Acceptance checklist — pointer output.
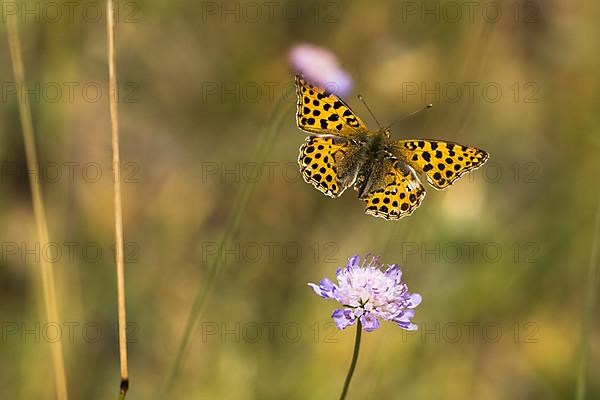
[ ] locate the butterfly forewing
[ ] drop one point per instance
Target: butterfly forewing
(442, 162)
(323, 113)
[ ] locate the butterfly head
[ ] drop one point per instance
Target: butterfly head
(384, 133)
(387, 131)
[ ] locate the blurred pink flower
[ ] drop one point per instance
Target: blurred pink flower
(320, 66)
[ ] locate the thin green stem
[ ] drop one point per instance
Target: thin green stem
(592, 284)
(354, 360)
(265, 142)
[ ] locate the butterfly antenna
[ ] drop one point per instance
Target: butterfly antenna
(411, 114)
(368, 109)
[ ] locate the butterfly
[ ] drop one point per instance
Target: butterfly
(341, 152)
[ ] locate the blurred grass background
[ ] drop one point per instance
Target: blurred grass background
(175, 212)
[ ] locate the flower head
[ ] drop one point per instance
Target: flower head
(320, 66)
(368, 292)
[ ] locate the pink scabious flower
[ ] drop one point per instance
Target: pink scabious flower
(368, 292)
(320, 66)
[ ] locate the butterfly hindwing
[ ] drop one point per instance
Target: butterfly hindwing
(320, 159)
(323, 113)
(442, 162)
(399, 195)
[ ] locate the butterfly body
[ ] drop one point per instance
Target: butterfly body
(374, 151)
(342, 152)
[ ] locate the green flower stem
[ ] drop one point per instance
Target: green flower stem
(588, 314)
(354, 360)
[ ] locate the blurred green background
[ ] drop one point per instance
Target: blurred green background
(501, 259)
